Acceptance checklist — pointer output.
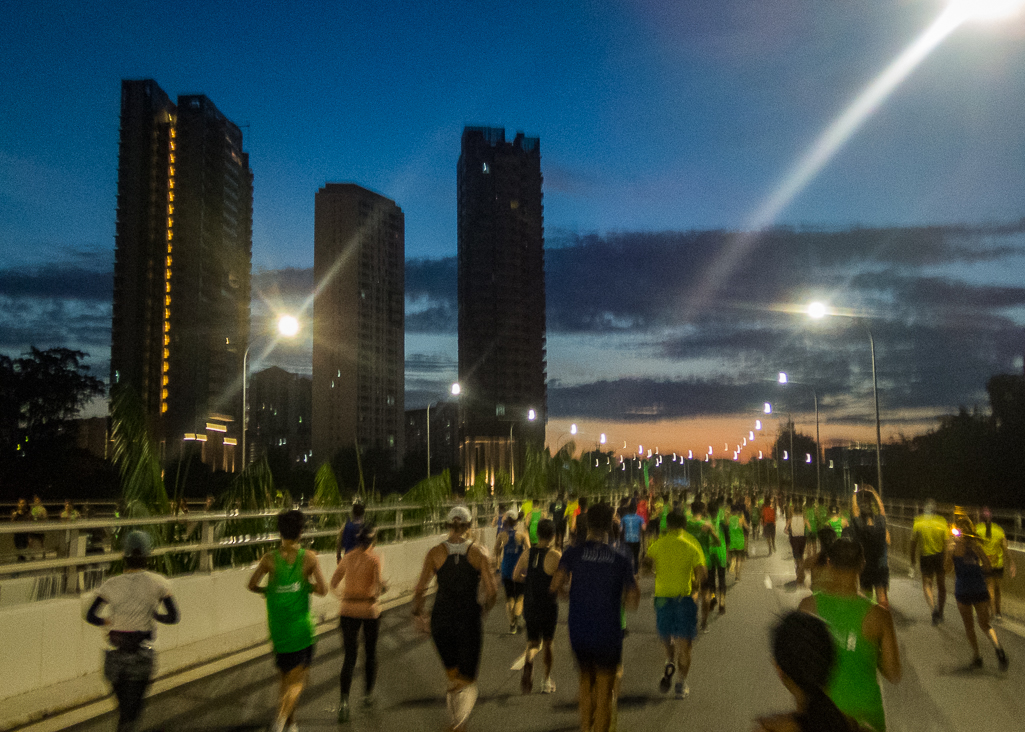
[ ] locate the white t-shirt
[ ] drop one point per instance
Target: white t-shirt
(797, 526)
(133, 597)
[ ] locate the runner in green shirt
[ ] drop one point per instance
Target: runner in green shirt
(702, 530)
(292, 574)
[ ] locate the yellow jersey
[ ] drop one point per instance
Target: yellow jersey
(992, 545)
(930, 531)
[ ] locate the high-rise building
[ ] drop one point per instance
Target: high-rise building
(280, 415)
(183, 252)
(358, 323)
(502, 366)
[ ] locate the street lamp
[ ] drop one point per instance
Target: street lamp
(817, 311)
(288, 327)
(783, 379)
(454, 390)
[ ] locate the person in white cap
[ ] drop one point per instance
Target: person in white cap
(135, 598)
(456, 623)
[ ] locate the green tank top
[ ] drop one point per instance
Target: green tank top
(836, 524)
(663, 524)
(717, 549)
(853, 686)
(736, 534)
(812, 520)
(288, 605)
(535, 519)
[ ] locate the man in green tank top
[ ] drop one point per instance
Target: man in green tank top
(863, 631)
(292, 574)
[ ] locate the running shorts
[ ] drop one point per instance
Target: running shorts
(995, 573)
(541, 623)
(605, 659)
(459, 645)
(715, 572)
(288, 661)
(676, 617)
(513, 590)
(769, 529)
(879, 577)
(931, 563)
(972, 598)
(797, 544)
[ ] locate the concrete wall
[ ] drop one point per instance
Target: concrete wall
(52, 658)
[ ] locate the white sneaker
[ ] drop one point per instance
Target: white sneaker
(549, 687)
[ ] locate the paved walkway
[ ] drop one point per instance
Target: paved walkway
(731, 682)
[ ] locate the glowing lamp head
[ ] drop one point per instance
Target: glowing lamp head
(602, 440)
(288, 326)
(572, 429)
(782, 377)
(531, 415)
(767, 408)
(456, 389)
(817, 310)
(955, 531)
(986, 9)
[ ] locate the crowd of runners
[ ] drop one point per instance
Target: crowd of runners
(829, 655)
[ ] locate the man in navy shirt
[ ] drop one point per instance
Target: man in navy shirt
(601, 581)
(348, 536)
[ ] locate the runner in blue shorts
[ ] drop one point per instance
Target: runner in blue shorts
(678, 563)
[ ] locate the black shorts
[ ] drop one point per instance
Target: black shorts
(879, 577)
(995, 573)
(513, 590)
(714, 572)
(972, 598)
(769, 529)
(931, 564)
(605, 659)
(541, 623)
(294, 659)
(459, 645)
(797, 544)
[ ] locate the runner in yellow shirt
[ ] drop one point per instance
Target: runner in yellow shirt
(994, 544)
(929, 538)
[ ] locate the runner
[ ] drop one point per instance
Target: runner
(738, 532)
(717, 556)
(534, 516)
(678, 563)
(970, 565)
(559, 517)
(797, 530)
(769, 525)
(835, 521)
(578, 523)
(994, 543)
(510, 543)
(292, 574)
(701, 529)
(360, 608)
(347, 536)
(633, 530)
(805, 658)
(535, 570)
(869, 524)
(135, 598)
(601, 582)
(811, 527)
(864, 636)
(929, 539)
(456, 623)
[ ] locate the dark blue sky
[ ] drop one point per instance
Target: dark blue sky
(654, 117)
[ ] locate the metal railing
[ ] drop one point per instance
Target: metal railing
(67, 557)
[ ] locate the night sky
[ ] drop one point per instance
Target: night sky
(665, 128)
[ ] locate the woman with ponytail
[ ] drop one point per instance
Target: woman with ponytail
(804, 655)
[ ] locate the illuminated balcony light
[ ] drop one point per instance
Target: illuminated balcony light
(170, 195)
(167, 328)
(170, 235)
(169, 261)
(172, 133)
(214, 427)
(170, 209)
(167, 354)
(163, 407)
(164, 368)
(163, 379)
(168, 286)
(172, 157)
(230, 441)
(170, 170)
(167, 338)
(167, 274)
(163, 393)
(167, 300)
(200, 438)
(170, 184)
(167, 313)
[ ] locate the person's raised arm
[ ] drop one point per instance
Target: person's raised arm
(262, 569)
(313, 574)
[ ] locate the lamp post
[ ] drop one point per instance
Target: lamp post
(818, 311)
(454, 391)
(287, 326)
(783, 379)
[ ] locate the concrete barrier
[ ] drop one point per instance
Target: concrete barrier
(52, 658)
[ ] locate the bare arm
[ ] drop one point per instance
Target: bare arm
(520, 572)
(478, 558)
(560, 582)
(700, 575)
(430, 568)
(338, 576)
(855, 509)
(313, 574)
(262, 569)
(880, 623)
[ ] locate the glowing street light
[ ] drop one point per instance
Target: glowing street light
(767, 408)
(572, 429)
(984, 10)
(456, 389)
(288, 326)
(602, 439)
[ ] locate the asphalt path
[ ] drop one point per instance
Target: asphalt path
(732, 680)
